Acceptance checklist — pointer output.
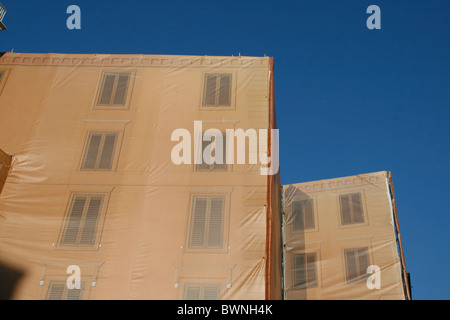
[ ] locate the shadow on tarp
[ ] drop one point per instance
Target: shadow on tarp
(9, 278)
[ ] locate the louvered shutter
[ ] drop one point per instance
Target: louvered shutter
(345, 209)
(210, 90)
(225, 90)
(121, 89)
(107, 89)
(363, 261)
(298, 215)
(352, 269)
(192, 292)
(74, 221)
(107, 151)
(215, 231)
(311, 271)
(92, 151)
(210, 292)
(55, 290)
(90, 221)
(357, 208)
(299, 270)
(198, 223)
(303, 214)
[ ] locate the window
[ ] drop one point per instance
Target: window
(351, 208)
(305, 270)
(80, 227)
(207, 222)
(303, 214)
(114, 89)
(357, 262)
(217, 90)
(202, 291)
(99, 151)
(58, 290)
(207, 145)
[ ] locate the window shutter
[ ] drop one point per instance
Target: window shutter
(357, 207)
(56, 290)
(211, 292)
(311, 273)
(99, 152)
(225, 90)
(363, 261)
(90, 221)
(2, 72)
(357, 262)
(303, 214)
(92, 151)
(107, 151)
(74, 294)
(121, 89)
(74, 220)
(345, 209)
(198, 223)
(210, 90)
(107, 89)
(299, 270)
(215, 232)
(192, 292)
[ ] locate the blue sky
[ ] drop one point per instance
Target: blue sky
(349, 100)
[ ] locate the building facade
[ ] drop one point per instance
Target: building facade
(93, 189)
(342, 240)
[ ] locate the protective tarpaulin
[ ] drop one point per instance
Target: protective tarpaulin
(94, 206)
(342, 240)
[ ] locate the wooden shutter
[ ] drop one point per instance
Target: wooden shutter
(207, 222)
(214, 166)
(303, 214)
(198, 222)
(211, 292)
(215, 231)
(217, 90)
(57, 290)
(210, 90)
(357, 262)
(114, 89)
(80, 228)
(202, 291)
(305, 270)
(73, 222)
(351, 208)
(99, 152)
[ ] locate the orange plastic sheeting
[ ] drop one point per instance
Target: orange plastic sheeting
(94, 194)
(340, 240)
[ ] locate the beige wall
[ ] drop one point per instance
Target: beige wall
(48, 106)
(329, 238)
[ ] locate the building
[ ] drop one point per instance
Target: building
(92, 183)
(2, 15)
(99, 186)
(336, 229)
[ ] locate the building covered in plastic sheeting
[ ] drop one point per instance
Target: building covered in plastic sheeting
(94, 197)
(342, 240)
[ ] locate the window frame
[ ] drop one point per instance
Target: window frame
(66, 290)
(352, 222)
(100, 150)
(201, 287)
(105, 193)
(307, 283)
(101, 86)
(232, 87)
(313, 215)
(361, 274)
(214, 167)
(188, 248)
